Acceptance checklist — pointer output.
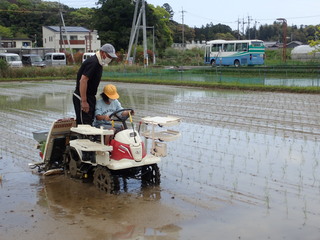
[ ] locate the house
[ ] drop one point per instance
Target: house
(294, 44)
(276, 45)
(15, 43)
(189, 45)
(81, 39)
(272, 45)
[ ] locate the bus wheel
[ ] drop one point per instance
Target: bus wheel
(213, 63)
(237, 63)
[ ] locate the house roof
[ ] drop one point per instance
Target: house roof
(296, 42)
(270, 44)
(68, 29)
(15, 39)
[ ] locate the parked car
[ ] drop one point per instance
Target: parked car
(12, 59)
(87, 55)
(33, 60)
(55, 59)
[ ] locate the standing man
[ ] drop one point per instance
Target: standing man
(88, 79)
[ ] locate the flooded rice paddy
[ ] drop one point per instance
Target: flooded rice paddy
(261, 78)
(245, 167)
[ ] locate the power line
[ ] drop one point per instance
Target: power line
(257, 19)
(209, 19)
(301, 17)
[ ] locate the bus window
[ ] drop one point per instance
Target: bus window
(238, 47)
(257, 44)
(245, 47)
(216, 48)
(225, 47)
(229, 47)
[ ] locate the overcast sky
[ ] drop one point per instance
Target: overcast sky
(200, 12)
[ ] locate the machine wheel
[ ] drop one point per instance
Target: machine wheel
(150, 175)
(237, 63)
(104, 180)
(213, 63)
(71, 162)
(73, 168)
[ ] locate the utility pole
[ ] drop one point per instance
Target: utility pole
(243, 23)
(284, 38)
(65, 31)
(255, 29)
(144, 33)
(238, 22)
(61, 38)
(136, 23)
(35, 41)
(134, 33)
(90, 41)
(153, 47)
(249, 20)
(183, 27)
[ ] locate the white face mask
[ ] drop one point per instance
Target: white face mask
(106, 61)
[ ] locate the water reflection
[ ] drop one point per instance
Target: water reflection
(292, 82)
(297, 82)
(124, 216)
(261, 79)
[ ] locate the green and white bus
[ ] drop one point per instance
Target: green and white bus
(234, 52)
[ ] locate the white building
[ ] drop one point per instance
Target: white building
(305, 53)
(15, 43)
(189, 45)
(80, 38)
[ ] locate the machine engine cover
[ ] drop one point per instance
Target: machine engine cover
(128, 144)
(128, 136)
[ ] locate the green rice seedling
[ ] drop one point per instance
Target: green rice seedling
(267, 194)
(305, 208)
(235, 184)
(267, 199)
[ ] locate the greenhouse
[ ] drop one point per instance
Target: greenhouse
(305, 53)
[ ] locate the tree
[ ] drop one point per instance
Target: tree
(5, 32)
(161, 23)
(189, 33)
(316, 41)
(25, 18)
(169, 9)
(113, 21)
(209, 32)
(225, 36)
(82, 17)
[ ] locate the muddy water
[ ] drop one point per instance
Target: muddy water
(246, 167)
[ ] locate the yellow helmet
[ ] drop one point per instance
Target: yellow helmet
(111, 91)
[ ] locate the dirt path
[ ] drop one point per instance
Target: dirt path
(246, 167)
